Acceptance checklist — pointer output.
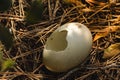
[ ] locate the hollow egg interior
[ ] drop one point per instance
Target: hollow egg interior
(57, 41)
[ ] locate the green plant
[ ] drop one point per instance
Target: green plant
(34, 13)
(5, 5)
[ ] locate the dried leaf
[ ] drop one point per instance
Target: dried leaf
(105, 32)
(76, 2)
(113, 29)
(100, 35)
(95, 2)
(87, 10)
(70, 1)
(112, 50)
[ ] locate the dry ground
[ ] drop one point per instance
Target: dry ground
(30, 39)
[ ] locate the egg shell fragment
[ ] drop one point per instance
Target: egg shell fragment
(67, 47)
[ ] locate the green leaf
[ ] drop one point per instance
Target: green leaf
(1, 56)
(7, 64)
(1, 52)
(6, 37)
(34, 14)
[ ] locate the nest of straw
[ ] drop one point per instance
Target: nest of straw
(30, 39)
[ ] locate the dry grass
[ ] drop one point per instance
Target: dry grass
(30, 39)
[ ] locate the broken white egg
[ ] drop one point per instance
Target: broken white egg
(67, 47)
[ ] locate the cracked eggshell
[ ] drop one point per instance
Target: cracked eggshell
(67, 47)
